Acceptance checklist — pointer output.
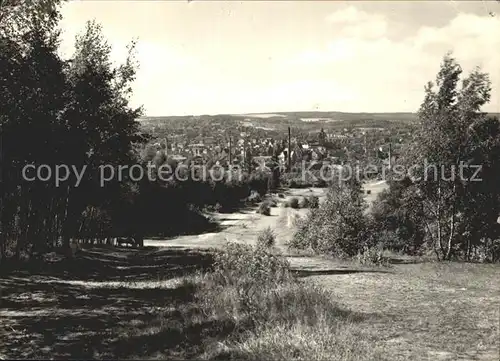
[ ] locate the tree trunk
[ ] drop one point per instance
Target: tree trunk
(450, 238)
(439, 231)
(23, 235)
(469, 249)
(3, 252)
(452, 225)
(65, 225)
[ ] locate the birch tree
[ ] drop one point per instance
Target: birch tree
(457, 150)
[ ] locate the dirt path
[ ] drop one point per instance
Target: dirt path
(245, 226)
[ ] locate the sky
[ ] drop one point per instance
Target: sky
(234, 57)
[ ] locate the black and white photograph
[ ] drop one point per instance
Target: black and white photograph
(250, 180)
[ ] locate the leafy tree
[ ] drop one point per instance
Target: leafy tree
(454, 140)
(99, 121)
(397, 216)
(63, 111)
(33, 95)
(18, 17)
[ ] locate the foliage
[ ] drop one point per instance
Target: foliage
(254, 197)
(455, 214)
(264, 208)
(304, 202)
(294, 203)
(75, 113)
(240, 263)
(313, 202)
(398, 219)
(373, 256)
(266, 239)
(339, 226)
(261, 182)
(248, 269)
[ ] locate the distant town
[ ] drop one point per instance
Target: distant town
(243, 140)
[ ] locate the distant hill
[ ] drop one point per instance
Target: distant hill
(306, 120)
(295, 116)
(342, 116)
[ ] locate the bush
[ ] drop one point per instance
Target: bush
(266, 239)
(271, 314)
(254, 197)
(281, 195)
(373, 256)
(259, 182)
(241, 263)
(313, 202)
(264, 209)
(294, 203)
(272, 202)
(339, 226)
(368, 191)
(304, 202)
(241, 272)
(321, 183)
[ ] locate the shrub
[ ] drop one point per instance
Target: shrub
(241, 263)
(240, 273)
(313, 202)
(254, 197)
(264, 209)
(304, 202)
(398, 221)
(339, 226)
(320, 183)
(281, 195)
(373, 256)
(272, 202)
(271, 314)
(368, 191)
(266, 239)
(294, 203)
(259, 182)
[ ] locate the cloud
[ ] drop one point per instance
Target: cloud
(390, 74)
(357, 23)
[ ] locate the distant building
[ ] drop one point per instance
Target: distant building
(197, 149)
(322, 137)
(178, 158)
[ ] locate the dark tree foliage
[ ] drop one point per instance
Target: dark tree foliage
(55, 112)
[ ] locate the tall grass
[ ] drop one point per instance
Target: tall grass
(274, 315)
